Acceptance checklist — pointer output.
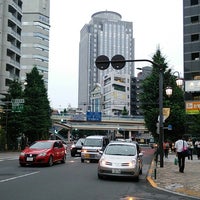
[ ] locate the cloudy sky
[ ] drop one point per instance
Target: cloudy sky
(155, 23)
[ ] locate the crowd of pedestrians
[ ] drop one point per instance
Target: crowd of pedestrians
(182, 143)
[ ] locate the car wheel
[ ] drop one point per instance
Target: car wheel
(64, 159)
(22, 164)
(100, 176)
(136, 179)
(50, 163)
(82, 160)
(72, 154)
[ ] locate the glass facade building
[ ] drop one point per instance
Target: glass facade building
(106, 34)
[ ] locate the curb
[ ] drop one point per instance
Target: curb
(149, 178)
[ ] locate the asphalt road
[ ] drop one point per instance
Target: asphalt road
(73, 181)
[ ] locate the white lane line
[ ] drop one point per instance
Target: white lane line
(16, 177)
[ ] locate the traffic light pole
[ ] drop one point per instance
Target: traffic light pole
(118, 62)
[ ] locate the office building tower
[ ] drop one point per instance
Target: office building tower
(191, 20)
(136, 90)
(106, 34)
(10, 42)
(35, 38)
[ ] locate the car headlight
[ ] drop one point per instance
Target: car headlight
(84, 151)
(22, 154)
(42, 154)
(102, 161)
(132, 163)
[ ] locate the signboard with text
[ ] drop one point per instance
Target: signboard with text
(17, 105)
(93, 116)
(192, 107)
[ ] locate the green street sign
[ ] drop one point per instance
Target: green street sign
(17, 105)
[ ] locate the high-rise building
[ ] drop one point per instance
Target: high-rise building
(136, 90)
(191, 22)
(35, 37)
(106, 34)
(10, 42)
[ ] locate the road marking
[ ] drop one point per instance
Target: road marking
(16, 177)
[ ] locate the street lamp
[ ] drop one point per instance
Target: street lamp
(118, 62)
(179, 80)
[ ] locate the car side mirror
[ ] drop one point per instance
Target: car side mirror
(100, 152)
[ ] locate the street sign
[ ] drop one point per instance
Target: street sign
(169, 127)
(102, 62)
(118, 62)
(93, 116)
(17, 105)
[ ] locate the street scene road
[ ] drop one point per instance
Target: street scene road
(73, 180)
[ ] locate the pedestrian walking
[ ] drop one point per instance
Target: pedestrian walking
(179, 146)
(197, 145)
(166, 149)
(190, 148)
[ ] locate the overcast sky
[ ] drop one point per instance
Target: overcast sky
(155, 23)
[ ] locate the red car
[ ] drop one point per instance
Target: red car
(43, 152)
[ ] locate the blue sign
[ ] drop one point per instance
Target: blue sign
(93, 116)
(169, 127)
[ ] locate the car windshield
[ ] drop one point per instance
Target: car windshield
(79, 142)
(93, 142)
(119, 149)
(41, 145)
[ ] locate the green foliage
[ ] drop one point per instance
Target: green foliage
(150, 100)
(37, 111)
(11, 121)
(124, 111)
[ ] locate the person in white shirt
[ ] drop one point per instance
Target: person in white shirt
(179, 145)
(190, 147)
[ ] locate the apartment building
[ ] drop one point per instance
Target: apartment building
(10, 42)
(191, 23)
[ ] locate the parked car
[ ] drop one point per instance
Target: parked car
(43, 152)
(120, 159)
(76, 147)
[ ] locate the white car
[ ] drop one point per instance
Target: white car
(121, 159)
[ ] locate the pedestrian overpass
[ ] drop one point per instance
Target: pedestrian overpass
(110, 123)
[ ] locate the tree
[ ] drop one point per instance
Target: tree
(124, 111)
(150, 100)
(37, 111)
(12, 121)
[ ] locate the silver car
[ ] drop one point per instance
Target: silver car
(120, 159)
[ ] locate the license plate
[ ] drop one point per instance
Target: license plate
(87, 155)
(29, 159)
(116, 171)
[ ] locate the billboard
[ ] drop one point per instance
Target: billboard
(192, 86)
(192, 107)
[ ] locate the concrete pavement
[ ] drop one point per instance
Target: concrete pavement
(169, 178)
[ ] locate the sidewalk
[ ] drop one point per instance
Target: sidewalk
(170, 179)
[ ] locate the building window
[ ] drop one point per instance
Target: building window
(194, 37)
(194, 19)
(195, 56)
(194, 2)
